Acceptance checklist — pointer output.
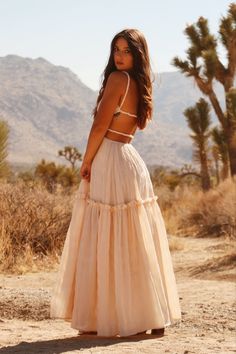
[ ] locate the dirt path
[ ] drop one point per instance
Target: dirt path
(207, 300)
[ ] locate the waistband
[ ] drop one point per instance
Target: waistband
(116, 142)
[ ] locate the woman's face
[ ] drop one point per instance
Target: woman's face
(123, 57)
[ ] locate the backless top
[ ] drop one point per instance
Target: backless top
(119, 110)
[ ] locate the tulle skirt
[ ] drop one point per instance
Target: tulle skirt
(115, 275)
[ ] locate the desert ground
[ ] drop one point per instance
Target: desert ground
(207, 292)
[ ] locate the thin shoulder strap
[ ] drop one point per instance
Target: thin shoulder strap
(127, 87)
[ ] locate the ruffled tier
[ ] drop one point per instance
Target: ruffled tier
(114, 208)
(116, 275)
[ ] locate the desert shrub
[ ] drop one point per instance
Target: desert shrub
(31, 220)
(214, 213)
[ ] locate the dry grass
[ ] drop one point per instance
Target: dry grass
(220, 266)
(227, 261)
(190, 212)
(34, 222)
(33, 225)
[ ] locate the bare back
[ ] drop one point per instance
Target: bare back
(124, 121)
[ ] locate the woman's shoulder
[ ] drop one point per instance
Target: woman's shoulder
(117, 78)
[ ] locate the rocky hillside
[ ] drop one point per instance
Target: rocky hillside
(48, 107)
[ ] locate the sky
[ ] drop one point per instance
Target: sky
(77, 33)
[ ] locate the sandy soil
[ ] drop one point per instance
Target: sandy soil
(207, 296)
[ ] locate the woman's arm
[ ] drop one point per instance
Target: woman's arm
(112, 92)
(102, 120)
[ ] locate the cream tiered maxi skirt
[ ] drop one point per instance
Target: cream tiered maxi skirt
(115, 275)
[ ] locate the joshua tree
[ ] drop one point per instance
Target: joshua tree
(220, 147)
(71, 154)
(198, 120)
(216, 158)
(204, 65)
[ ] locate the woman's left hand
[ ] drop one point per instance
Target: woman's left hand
(85, 170)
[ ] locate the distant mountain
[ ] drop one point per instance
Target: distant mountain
(48, 107)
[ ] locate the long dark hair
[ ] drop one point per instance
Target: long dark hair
(141, 72)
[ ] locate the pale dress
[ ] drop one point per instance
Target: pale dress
(115, 275)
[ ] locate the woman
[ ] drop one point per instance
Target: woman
(116, 275)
